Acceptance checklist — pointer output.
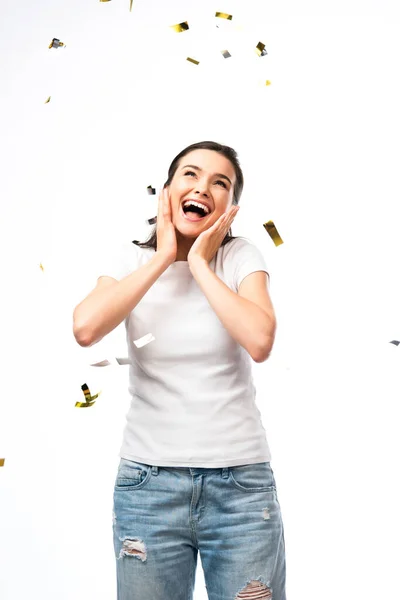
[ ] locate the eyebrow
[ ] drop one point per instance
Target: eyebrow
(216, 174)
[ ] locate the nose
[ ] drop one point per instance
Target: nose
(201, 189)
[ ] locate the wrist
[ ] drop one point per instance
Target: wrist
(196, 261)
(162, 259)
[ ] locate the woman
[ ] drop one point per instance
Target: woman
(195, 471)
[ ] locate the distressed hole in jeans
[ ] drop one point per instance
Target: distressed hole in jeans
(255, 590)
(133, 548)
(266, 514)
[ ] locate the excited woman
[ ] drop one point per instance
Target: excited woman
(194, 472)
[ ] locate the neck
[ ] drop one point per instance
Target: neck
(184, 244)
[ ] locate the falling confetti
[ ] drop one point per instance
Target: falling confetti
(41, 266)
(88, 397)
(48, 100)
(273, 233)
(150, 190)
(104, 0)
(223, 16)
(267, 82)
(55, 43)
(130, 7)
(107, 363)
(260, 49)
(181, 27)
(123, 361)
(84, 404)
(102, 363)
(2, 462)
(395, 342)
(146, 339)
(192, 60)
(226, 54)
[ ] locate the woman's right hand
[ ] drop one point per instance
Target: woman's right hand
(166, 236)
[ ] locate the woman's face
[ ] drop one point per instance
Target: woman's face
(207, 177)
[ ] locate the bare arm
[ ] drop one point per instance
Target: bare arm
(111, 301)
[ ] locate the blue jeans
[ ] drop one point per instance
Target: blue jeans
(164, 515)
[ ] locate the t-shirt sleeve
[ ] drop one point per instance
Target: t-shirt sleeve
(116, 262)
(245, 258)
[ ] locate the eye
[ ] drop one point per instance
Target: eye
(219, 180)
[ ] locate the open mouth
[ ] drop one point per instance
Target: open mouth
(193, 213)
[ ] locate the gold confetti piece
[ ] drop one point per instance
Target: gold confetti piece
(267, 82)
(88, 397)
(181, 27)
(48, 100)
(55, 43)
(86, 392)
(2, 462)
(273, 233)
(41, 266)
(92, 398)
(260, 49)
(192, 60)
(104, 0)
(130, 8)
(223, 16)
(146, 339)
(150, 190)
(225, 54)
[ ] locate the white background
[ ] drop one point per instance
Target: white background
(319, 148)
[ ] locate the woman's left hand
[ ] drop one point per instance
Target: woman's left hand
(208, 242)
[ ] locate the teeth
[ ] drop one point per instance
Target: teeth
(207, 210)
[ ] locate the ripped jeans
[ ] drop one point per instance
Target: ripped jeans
(163, 516)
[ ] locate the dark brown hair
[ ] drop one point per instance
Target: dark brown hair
(226, 151)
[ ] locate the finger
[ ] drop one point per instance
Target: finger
(225, 219)
(160, 206)
(230, 220)
(231, 215)
(167, 204)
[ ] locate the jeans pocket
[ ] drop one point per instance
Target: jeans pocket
(258, 477)
(131, 475)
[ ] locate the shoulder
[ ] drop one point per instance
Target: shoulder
(239, 258)
(240, 247)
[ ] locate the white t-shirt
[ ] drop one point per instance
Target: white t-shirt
(191, 388)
